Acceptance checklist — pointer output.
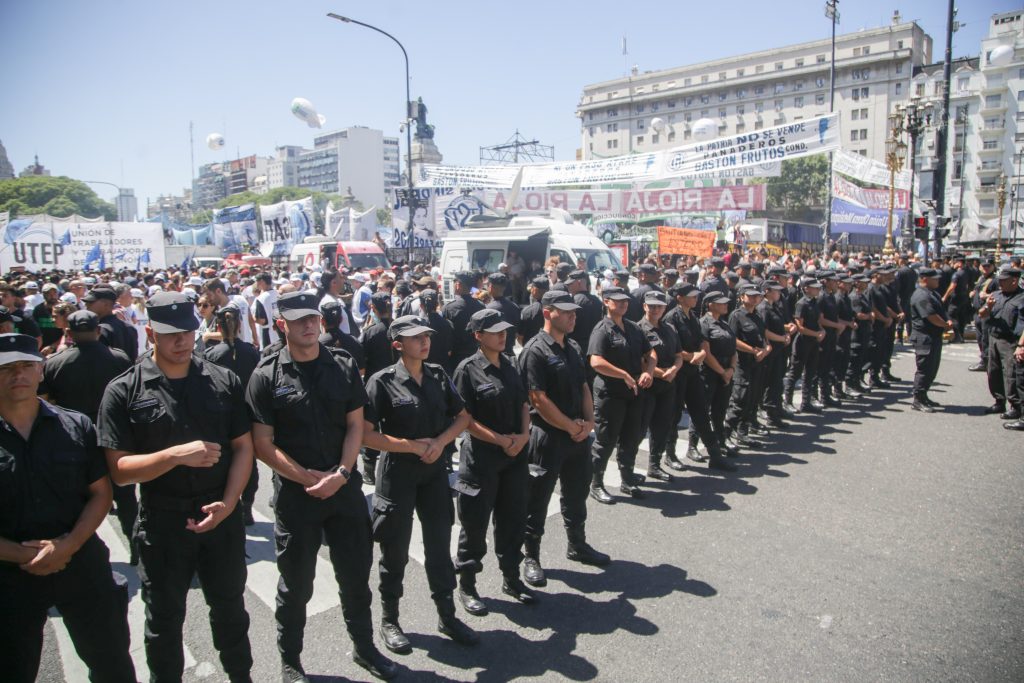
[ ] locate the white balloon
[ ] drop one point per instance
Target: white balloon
(657, 124)
(215, 141)
(305, 111)
(704, 130)
(1001, 56)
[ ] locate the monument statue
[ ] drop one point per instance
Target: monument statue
(424, 131)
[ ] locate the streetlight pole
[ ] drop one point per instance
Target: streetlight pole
(410, 199)
(1001, 201)
(832, 12)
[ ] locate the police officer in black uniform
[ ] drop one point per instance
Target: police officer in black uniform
(54, 494)
(441, 340)
(804, 360)
(493, 472)
(829, 321)
(624, 362)
(690, 390)
(307, 410)
(713, 281)
(332, 313)
(776, 334)
(241, 358)
(892, 299)
(847, 319)
(379, 354)
(458, 312)
(412, 413)
(589, 314)
(720, 364)
(660, 399)
(928, 321)
(114, 332)
(752, 349)
(177, 424)
(76, 378)
(497, 285)
(531, 320)
(1001, 313)
(860, 339)
(986, 284)
(648, 276)
(562, 417)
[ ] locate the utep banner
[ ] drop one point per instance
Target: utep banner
(771, 145)
(76, 246)
(236, 228)
(685, 242)
(284, 225)
(634, 203)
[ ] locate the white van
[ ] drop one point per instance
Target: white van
(486, 241)
(330, 253)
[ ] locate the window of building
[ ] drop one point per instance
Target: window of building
(740, 109)
(962, 84)
(723, 96)
(671, 104)
(938, 88)
(741, 127)
(655, 138)
(961, 112)
(704, 99)
(993, 101)
(721, 112)
(778, 105)
(704, 113)
(722, 75)
(899, 44)
(739, 73)
(759, 90)
(686, 81)
(654, 87)
(640, 108)
(856, 52)
(741, 93)
(687, 116)
(639, 139)
(759, 107)
(820, 82)
(799, 85)
(704, 79)
(590, 116)
(863, 133)
(867, 49)
(611, 128)
(855, 94)
(990, 144)
(819, 98)
(899, 88)
(919, 89)
(855, 114)
(863, 93)
(591, 131)
(758, 125)
(798, 102)
(899, 68)
(1020, 96)
(820, 59)
(654, 106)
(759, 69)
(778, 66)
(688, 101)
(864, 114)
(800, 62)
(639, 124)
(671, 136)
(780, 88)
(686, 135)
(862, 152)
(613, 144)
(614, 111)
(987, 206)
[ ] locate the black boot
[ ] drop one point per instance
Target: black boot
(726, 446)
(580, 551)
(826, 396)
(533, 573)
(597, 490)
(516, 589)
(654, 470)
(468, 596)
(716, 461)
(853, 391)
(370, 658)
(787, 403)
(450, 625)
(691, 452)
(292, 671)
(889, 377)
(673, 462)
(630, 486)
(920, 405)
(390, 631)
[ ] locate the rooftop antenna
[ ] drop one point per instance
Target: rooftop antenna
(625, 56)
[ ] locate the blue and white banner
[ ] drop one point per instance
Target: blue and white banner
(284, 225)
(861, 220)
(236, 228)
(28, 245)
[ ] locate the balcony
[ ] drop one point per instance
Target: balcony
(986, 189)
(993, 108)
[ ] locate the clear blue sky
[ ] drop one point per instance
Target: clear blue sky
(97, 86)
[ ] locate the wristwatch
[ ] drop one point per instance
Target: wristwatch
(343, 471)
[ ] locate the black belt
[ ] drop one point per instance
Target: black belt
(157, 501)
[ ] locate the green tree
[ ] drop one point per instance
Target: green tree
(802, 185)
(58, 196)
(202, 217)
(384, 216)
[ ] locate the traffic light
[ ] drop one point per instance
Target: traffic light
(921, 227)
(941, 231)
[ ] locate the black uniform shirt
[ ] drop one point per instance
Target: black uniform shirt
(712, 283)
(844, 309)
(24, 323)
(307, 407)
(923, 303)
(76, 377)
(401, 408)
(241, 358)
(860, 302)
(721, 339)
(142, 413)
(440, 341)
(44, 481)
(558, 371)
(687, 328)
(377, 347)
(589, 314)
(892, 296)
(1005, 314)
(335, 339)
(511, 314)
(118, 334)
(962, 280)
(624, 347)
(771, 314)
(665, 342)
(493, 396)
(636, 301)
(807, 310)
(532, 321)
(829, 310)
(458, 311)
(748, 327)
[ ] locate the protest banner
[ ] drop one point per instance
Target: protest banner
(686, 242)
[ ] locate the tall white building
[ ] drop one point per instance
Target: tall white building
(127, 205)
(986, 131)
(350, 158)
(760, 90)
(283, 170)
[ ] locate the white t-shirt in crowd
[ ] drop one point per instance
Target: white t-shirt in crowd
(268, 302)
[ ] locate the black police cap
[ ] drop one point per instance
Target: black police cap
(684, 289)
(295, 305)
(655, 299)
(541, 282)
(614, 293)
(408, 326)
(15, 348)
(499, 279)
(381, 300)
(83, 321)
(171, 313)
(560, 299)
(100, 292)
(488, 320)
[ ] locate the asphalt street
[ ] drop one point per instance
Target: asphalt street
(868, 543)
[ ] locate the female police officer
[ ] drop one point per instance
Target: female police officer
(493, 472)
(720, 364)
(413, 411)
(660, 400)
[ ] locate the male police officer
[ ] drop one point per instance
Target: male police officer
(1001, 313)
(562, 417)
(307, 408)
(113, 331)
(76, 378)
(457, 312)
(531, 320)
(928, 322)
(178, 425)
(54, 493)
(497, 285)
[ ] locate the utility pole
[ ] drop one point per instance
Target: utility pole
(832, 12)
(942, 132)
